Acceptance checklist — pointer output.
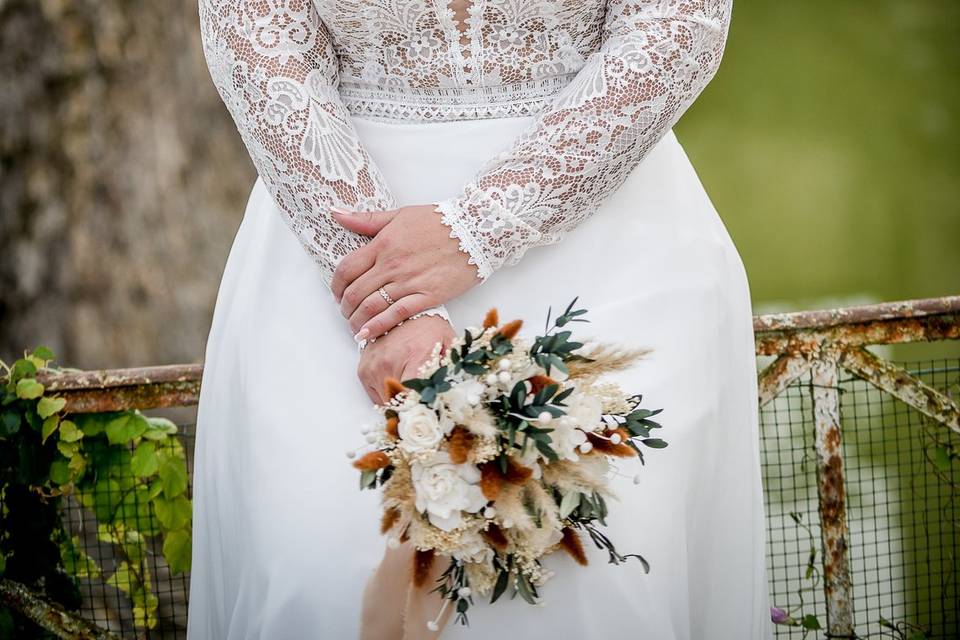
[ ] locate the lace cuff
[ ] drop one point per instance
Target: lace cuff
(455, 217)
(439, 310)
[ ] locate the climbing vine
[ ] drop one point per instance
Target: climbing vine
(127, 469)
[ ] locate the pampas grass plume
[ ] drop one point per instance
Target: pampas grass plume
(422, 562)
(572, 544)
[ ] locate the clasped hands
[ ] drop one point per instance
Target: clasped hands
(412, 257)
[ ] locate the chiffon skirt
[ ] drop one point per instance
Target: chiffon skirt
(283, 539)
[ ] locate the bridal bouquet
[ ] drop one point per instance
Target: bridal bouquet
(501, 453)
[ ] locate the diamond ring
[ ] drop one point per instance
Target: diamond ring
(385, 296)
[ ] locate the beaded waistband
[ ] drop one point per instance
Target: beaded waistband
(450, 103)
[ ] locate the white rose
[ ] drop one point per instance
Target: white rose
(457, 399)
(473, 548)
(566, 437)
(585, 410)
(443, 490)
(419, 429)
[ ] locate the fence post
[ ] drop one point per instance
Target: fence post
(831, 493)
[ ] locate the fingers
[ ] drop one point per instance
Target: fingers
(395, 313)
(372, 305)
(351, 267)
(366, 223)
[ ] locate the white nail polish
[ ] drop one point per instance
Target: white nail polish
(341, 210)
(363, 333)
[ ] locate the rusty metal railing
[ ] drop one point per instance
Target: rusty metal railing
(816, 346)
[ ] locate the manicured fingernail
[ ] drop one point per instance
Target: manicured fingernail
(362, 334)
(342, 211)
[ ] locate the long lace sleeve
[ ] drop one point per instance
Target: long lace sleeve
(274, 65)
(655, 59)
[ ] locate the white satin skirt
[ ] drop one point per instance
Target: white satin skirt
(283, 538)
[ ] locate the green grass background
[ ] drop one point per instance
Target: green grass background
(829, 143)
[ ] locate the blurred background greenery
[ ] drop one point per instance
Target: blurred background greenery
(829, 143)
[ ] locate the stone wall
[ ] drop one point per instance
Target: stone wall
(122, 181)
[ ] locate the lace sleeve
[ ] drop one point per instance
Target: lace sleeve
(273, 64)
(655, 59)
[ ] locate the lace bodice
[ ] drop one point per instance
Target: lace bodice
(603, 80)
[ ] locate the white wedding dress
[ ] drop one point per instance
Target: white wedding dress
(530, 123)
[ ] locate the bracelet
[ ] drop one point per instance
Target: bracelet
(432, 311)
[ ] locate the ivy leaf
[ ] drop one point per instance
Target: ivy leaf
(43, 353)
(810, 622)
(49, 427)
(29, 389)
(176, 550)
(173, 475)
(144, 461)
(125, 428)
(9, 423)
(941, 459)
(173, 513)
(123, 579)
(75, 562)
(49, 406)
(60, 472)
(69, 431)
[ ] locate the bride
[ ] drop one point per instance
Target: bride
(420, 162)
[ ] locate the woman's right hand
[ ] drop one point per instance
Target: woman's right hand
(400, 353)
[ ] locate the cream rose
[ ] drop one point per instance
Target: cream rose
(444, 490)
(419, 429)
(458, 399)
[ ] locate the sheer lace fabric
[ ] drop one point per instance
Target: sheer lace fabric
(605, 79)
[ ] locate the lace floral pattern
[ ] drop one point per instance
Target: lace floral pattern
(656, 58)
(604, 79)
(274, 64)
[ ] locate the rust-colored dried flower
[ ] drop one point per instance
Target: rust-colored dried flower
(511, 328)
(603, 445)
(393, 426)
(460, 444)
(391, 387)
(492, 319)
(572, 544)
(490, 480)
(494, 535)
(422, 562)
(389, 518)
(372, 461)
(540, 381)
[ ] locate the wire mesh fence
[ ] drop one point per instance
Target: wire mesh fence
(107, 596)
(901, 504)
(902, 511)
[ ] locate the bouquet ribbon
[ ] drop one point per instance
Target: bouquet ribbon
(386, 615)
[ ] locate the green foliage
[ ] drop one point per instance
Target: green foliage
(127, 468)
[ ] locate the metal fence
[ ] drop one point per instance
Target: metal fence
(860, 463)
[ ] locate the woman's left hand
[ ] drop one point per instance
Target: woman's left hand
(411, 256)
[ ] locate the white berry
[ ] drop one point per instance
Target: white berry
(393, 543)
(544, 417)
(489, 512)
(464, 592)
(491, 379)
(432, 626)
(351, 454)
(504, 377)
(616, 438)
(586, 447)
(505, 364)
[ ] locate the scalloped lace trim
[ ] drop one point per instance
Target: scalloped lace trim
(452, 216)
